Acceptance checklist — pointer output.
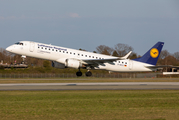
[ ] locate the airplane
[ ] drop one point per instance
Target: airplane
(63, 57)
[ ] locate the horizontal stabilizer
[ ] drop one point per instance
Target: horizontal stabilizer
(159, 66)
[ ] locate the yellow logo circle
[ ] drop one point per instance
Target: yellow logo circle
(154, 53)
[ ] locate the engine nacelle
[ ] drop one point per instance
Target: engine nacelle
(73, 63)
(58, 65)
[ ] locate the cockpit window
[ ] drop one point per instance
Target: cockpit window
(19, 43)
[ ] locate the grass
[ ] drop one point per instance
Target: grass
(87, 80)
(90, 105)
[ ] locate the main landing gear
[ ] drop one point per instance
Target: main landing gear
(88, 73)
(79, 73)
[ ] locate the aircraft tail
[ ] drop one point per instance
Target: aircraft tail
(151, 56)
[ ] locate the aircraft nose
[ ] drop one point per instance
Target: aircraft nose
(9, 49)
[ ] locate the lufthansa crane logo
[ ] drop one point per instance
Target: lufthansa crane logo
(154, 53)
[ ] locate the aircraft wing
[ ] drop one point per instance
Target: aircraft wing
(96, 61)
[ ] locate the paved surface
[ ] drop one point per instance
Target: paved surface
(91, 86)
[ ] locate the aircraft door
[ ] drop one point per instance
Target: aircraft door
(130, 64)
(32, 46)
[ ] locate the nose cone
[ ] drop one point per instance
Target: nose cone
(9, 49)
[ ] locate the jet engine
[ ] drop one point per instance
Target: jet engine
(58, 65)
(73, 63)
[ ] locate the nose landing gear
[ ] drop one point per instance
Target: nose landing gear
(23, 59)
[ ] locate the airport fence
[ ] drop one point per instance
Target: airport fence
(72, 75)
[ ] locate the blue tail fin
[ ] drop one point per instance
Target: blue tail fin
(151, 56)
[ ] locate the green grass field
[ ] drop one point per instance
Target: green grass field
(90, 105)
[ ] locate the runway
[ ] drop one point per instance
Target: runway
(91, 86)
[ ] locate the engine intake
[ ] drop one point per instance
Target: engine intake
(73, 63)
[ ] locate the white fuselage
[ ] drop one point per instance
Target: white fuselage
(60, 54)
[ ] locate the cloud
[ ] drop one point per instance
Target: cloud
(2, 18)
(9, 18)
(74, 15)
(23, 17)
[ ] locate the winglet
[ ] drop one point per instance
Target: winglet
(126, 56)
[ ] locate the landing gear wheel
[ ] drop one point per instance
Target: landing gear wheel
(79, 73)
(88, 74)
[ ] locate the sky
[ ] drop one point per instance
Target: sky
(87, 24)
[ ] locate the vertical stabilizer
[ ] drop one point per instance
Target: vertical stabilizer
(151, 56)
